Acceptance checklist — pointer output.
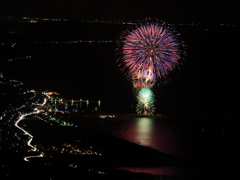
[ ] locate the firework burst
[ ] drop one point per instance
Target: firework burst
(150, 52)
(145, 104)
(151, 48)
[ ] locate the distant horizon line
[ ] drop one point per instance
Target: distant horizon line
(28, 19)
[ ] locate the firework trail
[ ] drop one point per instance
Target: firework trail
(143, 79)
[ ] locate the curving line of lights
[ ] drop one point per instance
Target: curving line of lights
(26, 158)
(36, 111)
(31, 136)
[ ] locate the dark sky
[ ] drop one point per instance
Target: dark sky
(125, 9)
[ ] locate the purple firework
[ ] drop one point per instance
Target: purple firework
(151, 47)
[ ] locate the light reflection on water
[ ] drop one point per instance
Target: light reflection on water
(144, 131)
(158, 133)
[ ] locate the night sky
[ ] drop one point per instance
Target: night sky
(167, 10)
(208, 80)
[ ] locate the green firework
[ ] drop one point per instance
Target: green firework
(145, 98)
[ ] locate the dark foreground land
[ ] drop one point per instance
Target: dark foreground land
(116, 152)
